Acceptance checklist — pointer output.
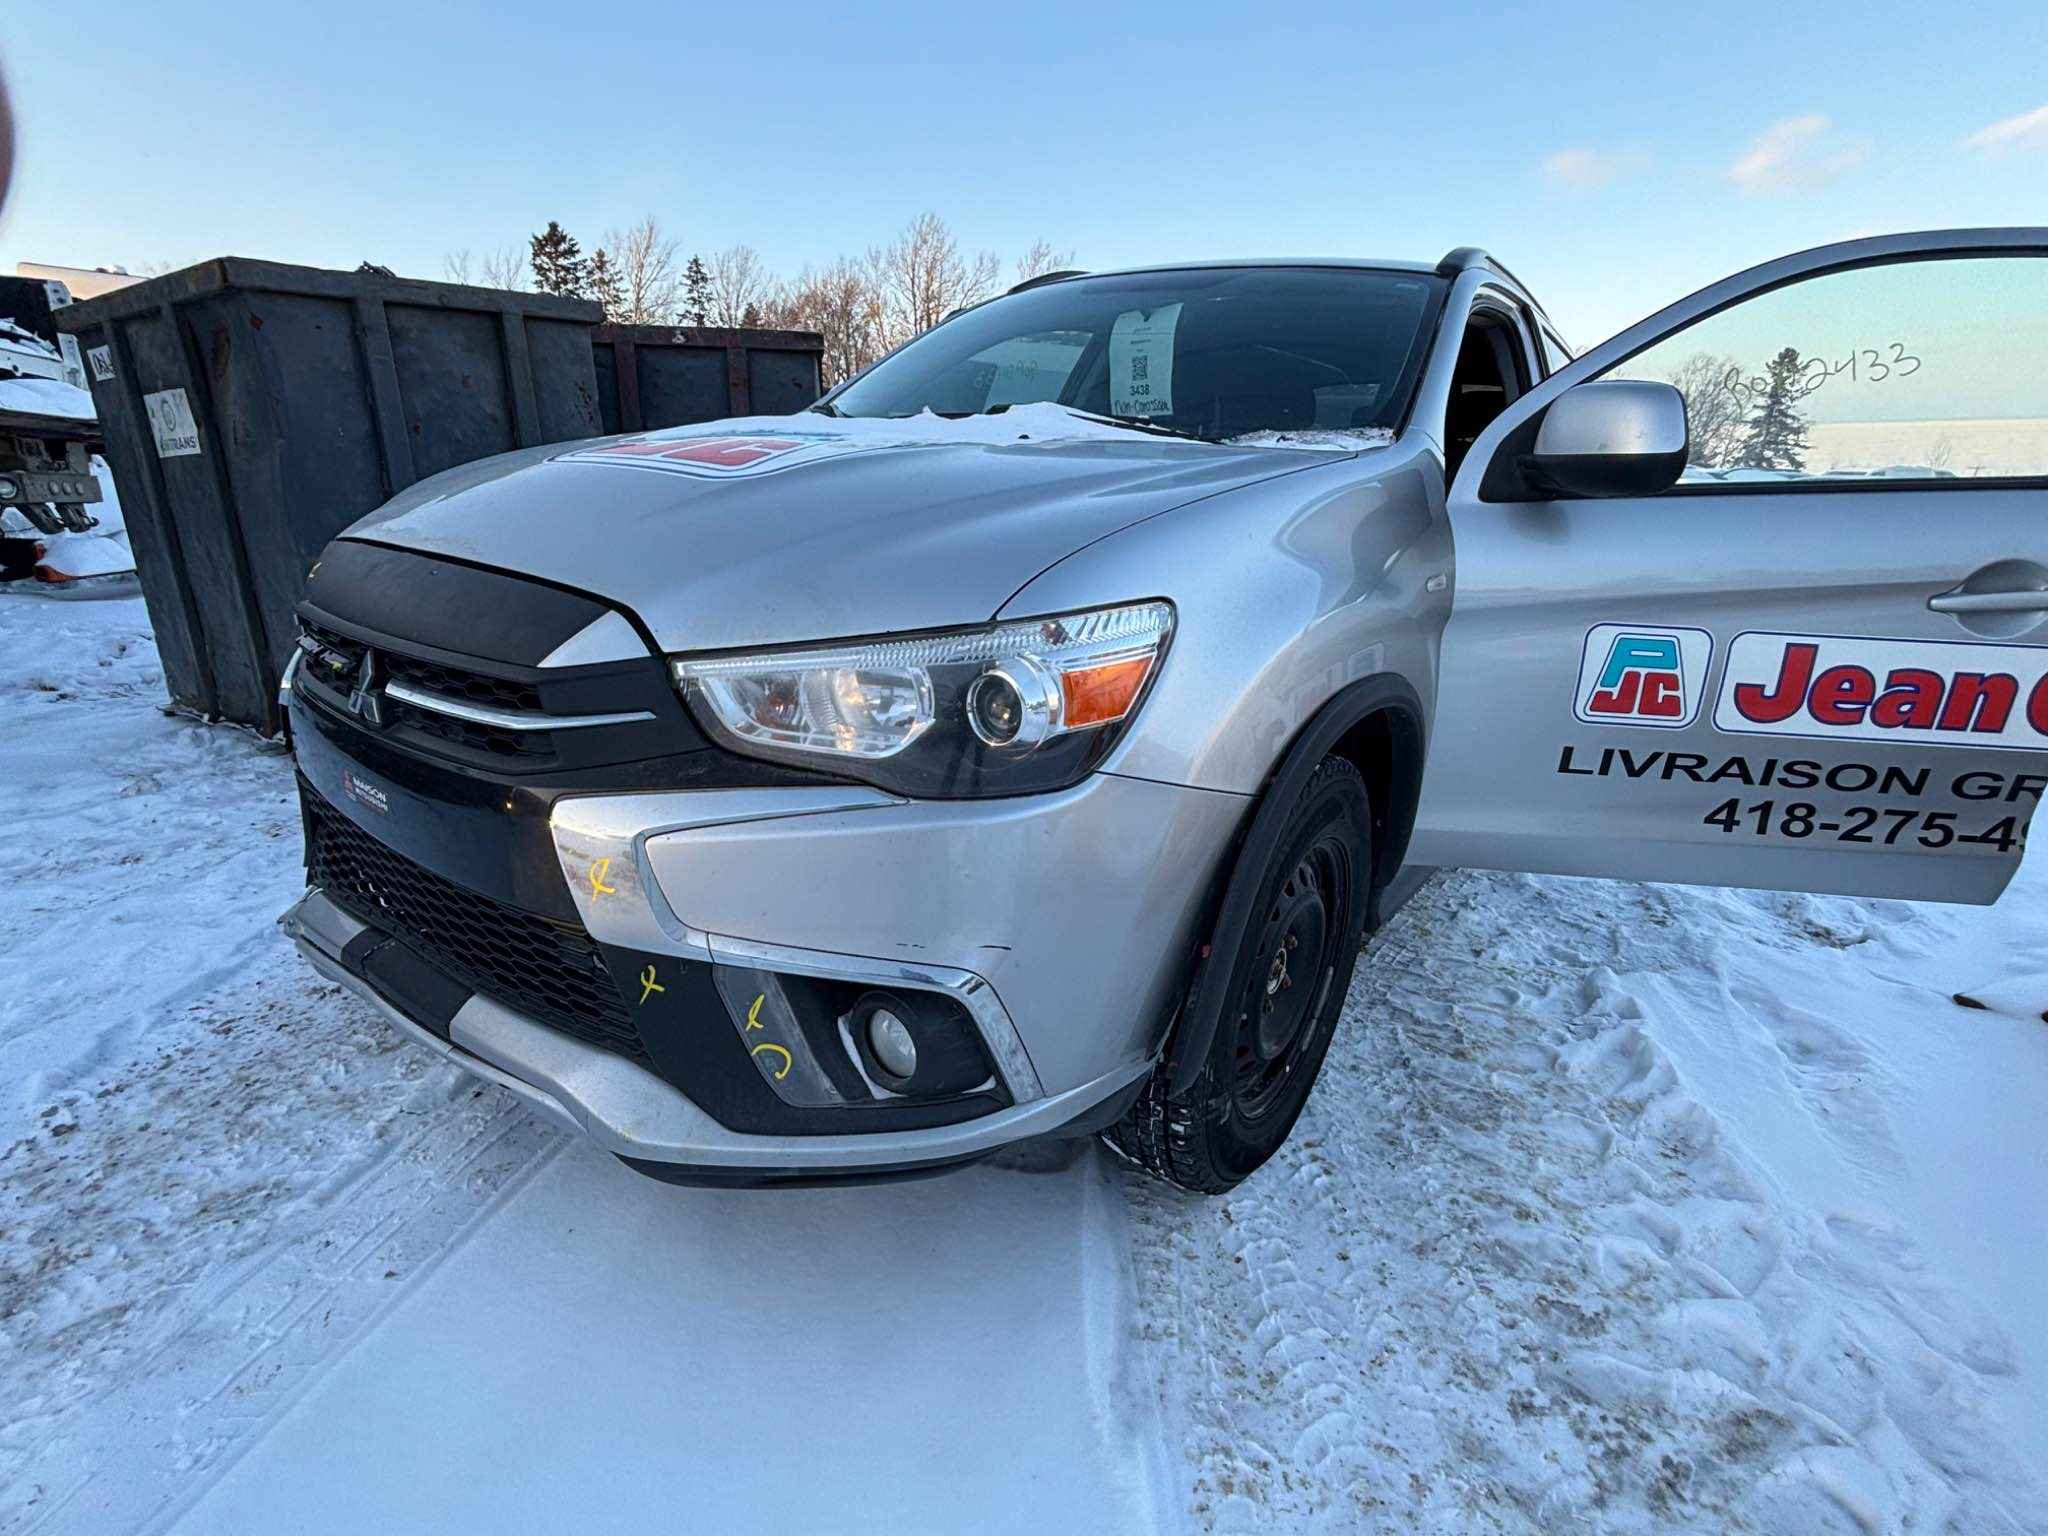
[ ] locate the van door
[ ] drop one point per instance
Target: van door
(1817, 662)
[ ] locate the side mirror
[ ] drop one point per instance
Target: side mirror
(1612, 437)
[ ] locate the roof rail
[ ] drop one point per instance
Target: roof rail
(1047, 277)
(1464, 258)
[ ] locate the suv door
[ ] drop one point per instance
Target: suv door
(1817, 662)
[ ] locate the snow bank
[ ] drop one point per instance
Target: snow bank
(1635, 1208)
(46, 397)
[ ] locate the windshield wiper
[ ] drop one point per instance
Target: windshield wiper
(1129, 424)
(825, 409)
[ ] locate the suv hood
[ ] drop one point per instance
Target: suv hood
(776, 529)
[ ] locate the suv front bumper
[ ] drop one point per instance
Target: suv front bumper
(635, 1115)
(1056, 921)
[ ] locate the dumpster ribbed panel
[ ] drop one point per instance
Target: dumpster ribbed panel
(316, 396)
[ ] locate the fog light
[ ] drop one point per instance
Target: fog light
(10, 489)
(889, 1038)
(916, 1044)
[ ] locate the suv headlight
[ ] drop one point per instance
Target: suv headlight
(1001, 710)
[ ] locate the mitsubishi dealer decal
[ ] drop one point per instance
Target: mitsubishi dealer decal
(721, 456)
(364, 793)
(1947, 693)
(1643, 674)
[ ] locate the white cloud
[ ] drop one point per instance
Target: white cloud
(1587, 168)
(2028, 130)
(1795, 154)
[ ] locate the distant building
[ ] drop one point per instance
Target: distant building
(83, 282)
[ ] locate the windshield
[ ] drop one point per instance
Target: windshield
(1215, 353)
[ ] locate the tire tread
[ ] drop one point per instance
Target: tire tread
(1163, 1133)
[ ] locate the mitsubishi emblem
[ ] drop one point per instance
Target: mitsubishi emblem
(364, 702)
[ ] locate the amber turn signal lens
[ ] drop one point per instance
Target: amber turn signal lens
(1104, 692)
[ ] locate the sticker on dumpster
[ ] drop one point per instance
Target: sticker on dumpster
(171, 423)
(1141, 361)
(102, 360)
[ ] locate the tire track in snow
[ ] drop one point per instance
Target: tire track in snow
(190, 1243)
(221, 1171)
(1510, 1276)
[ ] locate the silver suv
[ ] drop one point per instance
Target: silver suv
(1023, 741)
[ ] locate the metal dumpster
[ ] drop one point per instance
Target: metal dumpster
(253, 410)
(652, 376)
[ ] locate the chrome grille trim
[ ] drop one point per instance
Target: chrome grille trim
(504, 719)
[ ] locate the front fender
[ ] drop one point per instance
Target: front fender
(1286, 593)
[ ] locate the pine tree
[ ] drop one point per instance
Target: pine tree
(558, 265)
(751, 316)
(696, 293)
(604, 284)
(1776, 437)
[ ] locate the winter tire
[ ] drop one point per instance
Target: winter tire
(1285, 989)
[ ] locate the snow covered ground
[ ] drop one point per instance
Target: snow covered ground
(1618, 1208)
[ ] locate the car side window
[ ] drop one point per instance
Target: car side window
(1491, 373)
(1556, 355)
(1924, 370)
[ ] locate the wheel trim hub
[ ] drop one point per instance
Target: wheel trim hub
(1291, 973)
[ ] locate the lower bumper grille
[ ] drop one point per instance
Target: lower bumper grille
(549, 970)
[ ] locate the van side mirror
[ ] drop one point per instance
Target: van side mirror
(1611, 437)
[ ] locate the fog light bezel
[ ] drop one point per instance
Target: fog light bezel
(952, 1058)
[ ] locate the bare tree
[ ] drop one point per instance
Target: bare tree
(923, 278)
(843, 305)
(1941, 453)
(738, 282)
(455, 266)
(507, 267)
(1715, 416)
(1041, 259)
(650, 284)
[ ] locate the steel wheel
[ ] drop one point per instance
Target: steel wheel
(1294, 962)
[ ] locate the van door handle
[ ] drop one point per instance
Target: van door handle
(1989, 602)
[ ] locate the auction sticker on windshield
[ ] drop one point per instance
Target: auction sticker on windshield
(1141, 361)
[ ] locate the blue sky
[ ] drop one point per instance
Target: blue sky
(1615, 156)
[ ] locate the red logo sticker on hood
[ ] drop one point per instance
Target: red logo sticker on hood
(716, 453)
